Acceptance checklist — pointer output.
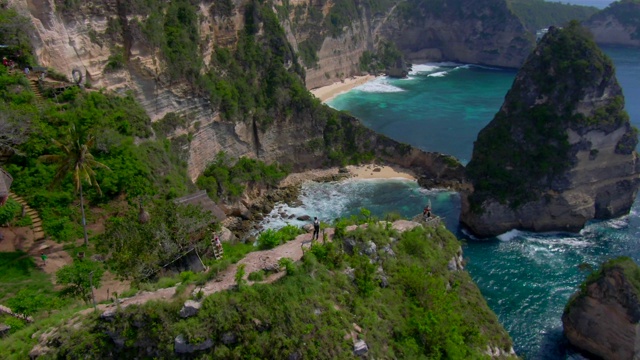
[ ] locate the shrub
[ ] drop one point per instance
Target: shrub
(75, 278)
(256, 275)
(268, 239)
(9, 211)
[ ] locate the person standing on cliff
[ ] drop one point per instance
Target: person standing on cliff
(316, 228)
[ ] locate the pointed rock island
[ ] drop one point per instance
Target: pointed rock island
(561, 150)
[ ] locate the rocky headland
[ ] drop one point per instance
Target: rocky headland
(561, 150)
(618, 24)
(478, 32)
(602, 318)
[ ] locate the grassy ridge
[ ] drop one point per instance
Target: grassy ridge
(425, 310)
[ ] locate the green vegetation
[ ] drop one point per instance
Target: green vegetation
(76, 160)
(625, 264)
(14, 32)
(227, 179)
(387, 56)
(139, 251)
(422, 310)
(539, 14)
(269, 238)
(525, 149)
(78, 277)
(627, 12)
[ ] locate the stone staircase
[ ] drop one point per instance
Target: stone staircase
(33, 84)
(38, 233)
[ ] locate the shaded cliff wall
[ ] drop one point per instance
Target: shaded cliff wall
(602, 318)
(479, 32)
(561, 150)
(618, 24)
(114, 45)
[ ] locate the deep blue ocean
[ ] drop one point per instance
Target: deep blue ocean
(526, 278)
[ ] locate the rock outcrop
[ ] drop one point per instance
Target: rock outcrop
(561, 150)
(112, 44)
(480, 32)
(603, 318)
(618, 24)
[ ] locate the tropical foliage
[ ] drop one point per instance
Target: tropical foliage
(422, 310)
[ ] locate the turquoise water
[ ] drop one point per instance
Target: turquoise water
(441, 107)
(526, 278)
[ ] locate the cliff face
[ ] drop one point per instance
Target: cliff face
(618, 24)
(124, 46)
(482, 32)
(602, 319)
(561, 150)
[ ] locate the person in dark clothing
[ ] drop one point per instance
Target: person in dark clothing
(316, 228)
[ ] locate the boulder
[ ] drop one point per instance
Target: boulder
(181, 346)
(360, 348)
(370, 248)
(190, 308)
(303, 218)
(602, 318)
(38, 350)
(226, 235)
(109, 314)
(229, 338)
(4, 329)
(349, 245)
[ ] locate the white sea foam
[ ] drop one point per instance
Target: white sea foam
(509, 235)
(380, 85)
(423, 68)
(438, 74)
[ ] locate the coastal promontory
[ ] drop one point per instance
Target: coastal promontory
(561, 150)
(602, 318)
(618, 24)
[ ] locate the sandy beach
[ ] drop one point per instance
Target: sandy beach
(363, 172)
(326, 93)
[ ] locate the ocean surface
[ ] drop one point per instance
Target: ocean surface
(526, 278)
(601, 4)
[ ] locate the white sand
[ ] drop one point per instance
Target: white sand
(367, 171)
(380, 172)
(326, 93)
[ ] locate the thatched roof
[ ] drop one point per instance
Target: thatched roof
(202, 200)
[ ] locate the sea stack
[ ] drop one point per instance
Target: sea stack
(602, 318)
(561, 150)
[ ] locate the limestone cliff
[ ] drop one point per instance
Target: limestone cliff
(482, 32)
(618, 24)
(561, 150)
(223, 66)
(602, 318)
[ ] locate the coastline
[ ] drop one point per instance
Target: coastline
(360, 172)
(326, 93)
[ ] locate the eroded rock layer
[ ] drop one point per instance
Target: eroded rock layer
(561, 150)
(618, 24)
(603, 318)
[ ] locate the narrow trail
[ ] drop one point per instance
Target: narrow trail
(253, 261)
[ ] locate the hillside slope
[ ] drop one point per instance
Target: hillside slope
(379, 290)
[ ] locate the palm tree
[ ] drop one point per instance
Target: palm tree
(76, 159)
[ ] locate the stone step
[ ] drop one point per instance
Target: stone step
(38, 234)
